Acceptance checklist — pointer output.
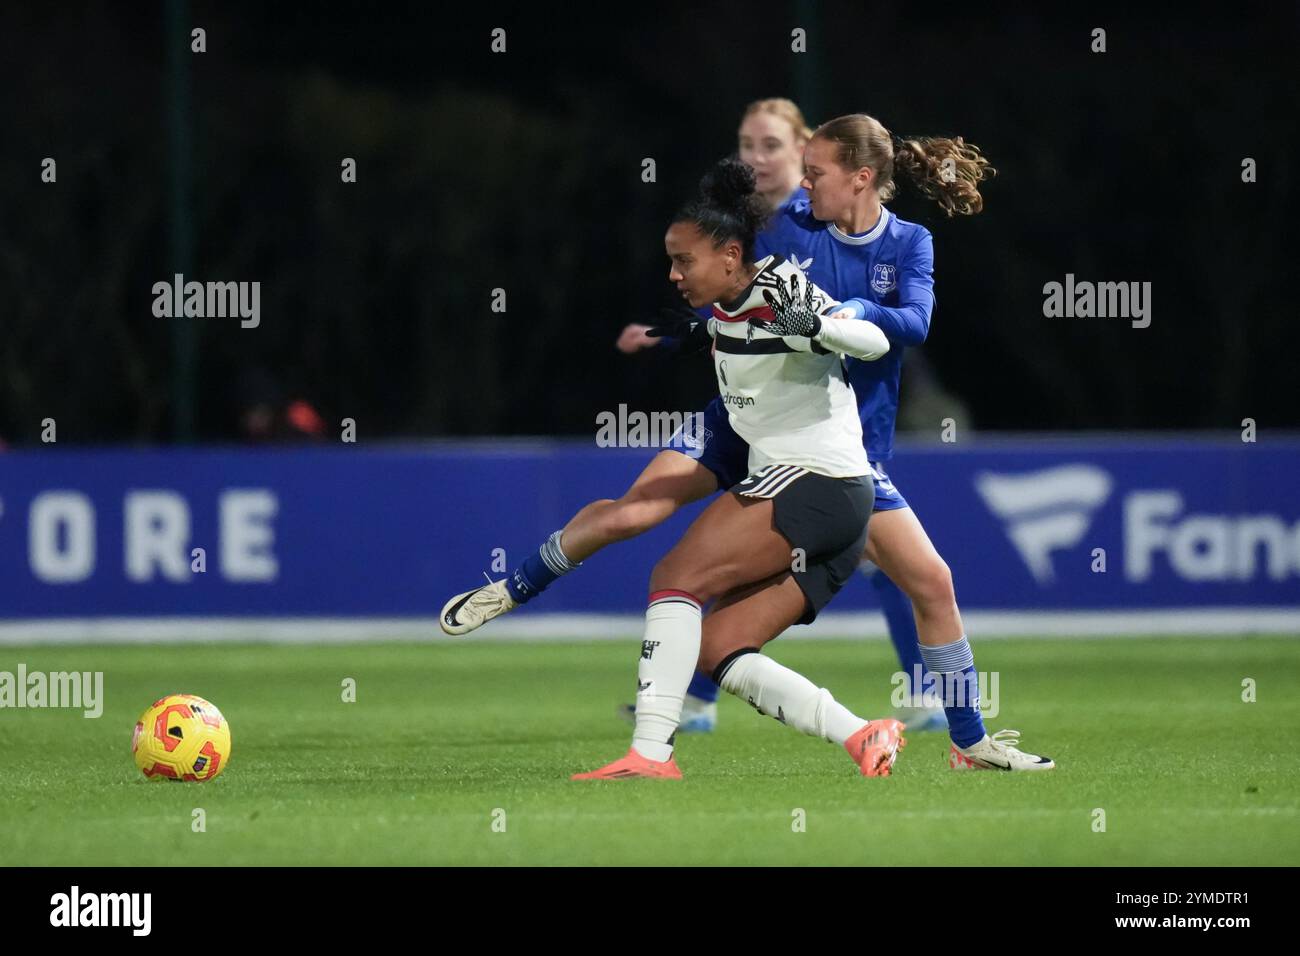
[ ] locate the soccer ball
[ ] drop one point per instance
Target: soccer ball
(181, 737)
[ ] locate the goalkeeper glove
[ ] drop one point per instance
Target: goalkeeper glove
(790, 314)
(684, 325)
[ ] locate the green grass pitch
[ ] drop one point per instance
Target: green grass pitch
(449, 737)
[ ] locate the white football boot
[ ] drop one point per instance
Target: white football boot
(471, 610)
(998, 752)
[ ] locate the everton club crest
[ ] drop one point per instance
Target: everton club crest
(884, 278)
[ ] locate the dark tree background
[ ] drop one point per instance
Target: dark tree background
(522, 170)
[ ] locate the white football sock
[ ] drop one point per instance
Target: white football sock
(789, 697)
(669, 654)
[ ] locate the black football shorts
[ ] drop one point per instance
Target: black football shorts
(826, 518)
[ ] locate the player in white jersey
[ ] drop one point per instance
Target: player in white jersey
(775, 550)
(771, 139)
(785, 394)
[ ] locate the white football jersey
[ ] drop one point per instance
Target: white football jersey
(787, 395)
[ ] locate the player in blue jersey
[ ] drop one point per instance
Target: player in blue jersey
(881, 269)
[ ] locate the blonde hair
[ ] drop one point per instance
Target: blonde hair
(781, 108)
(945, 169)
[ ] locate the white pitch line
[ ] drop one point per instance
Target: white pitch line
(981, 625)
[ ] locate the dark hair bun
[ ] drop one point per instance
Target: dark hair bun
(729, 184)
(727, 207)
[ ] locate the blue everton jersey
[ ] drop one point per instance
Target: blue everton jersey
(889, 273)
(799, 195)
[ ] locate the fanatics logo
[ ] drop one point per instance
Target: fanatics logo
(884, 278)
(1046, 510)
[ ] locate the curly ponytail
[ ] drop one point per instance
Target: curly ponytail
(945, 169)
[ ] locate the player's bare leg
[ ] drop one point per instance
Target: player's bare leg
(898, 544)
(671, 481)
(731, 544)
(733, 553)
(742, 622)
(922, 712)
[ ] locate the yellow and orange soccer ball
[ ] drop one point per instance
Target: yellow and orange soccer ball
(181, 738)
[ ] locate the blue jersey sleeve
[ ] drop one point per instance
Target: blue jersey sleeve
(909, 322)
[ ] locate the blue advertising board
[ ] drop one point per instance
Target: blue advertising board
(1024, 523)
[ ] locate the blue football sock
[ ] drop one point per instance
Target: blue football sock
(539, 569)
(702, 687)
(954, 665)
(902, 631)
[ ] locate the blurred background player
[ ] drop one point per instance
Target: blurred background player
(770, 140)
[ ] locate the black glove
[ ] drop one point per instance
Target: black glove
(684, 325)
(790, 314)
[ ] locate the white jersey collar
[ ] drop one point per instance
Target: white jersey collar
(750, 297)
(868, 237)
